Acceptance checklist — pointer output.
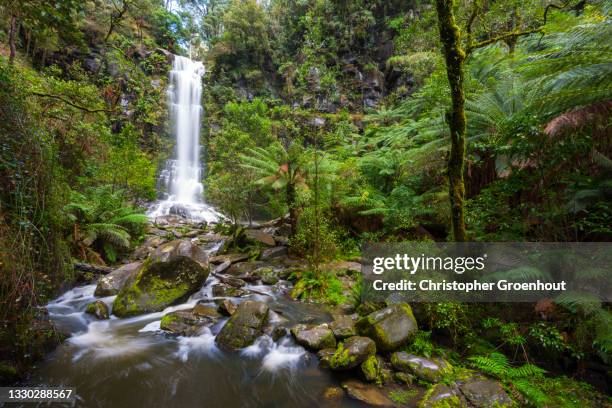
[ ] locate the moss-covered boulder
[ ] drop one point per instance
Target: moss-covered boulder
(428, 369)
(390, 328)
(189, 322)
(368, 394)
(313, 337)
(98, 309)
(325, 356)
(371, 369)
(352, 352)
(443, 396)
(481, 392)
(173, 272)
(343, 327)
(244, 326)
(112, 283)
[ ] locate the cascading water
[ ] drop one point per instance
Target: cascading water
(180, 181)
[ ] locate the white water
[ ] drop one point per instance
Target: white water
(181, 179)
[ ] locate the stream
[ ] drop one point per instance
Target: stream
(130, 362)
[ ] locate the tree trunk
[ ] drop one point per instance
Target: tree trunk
(454, 56)
(11, 39)
(292, 210)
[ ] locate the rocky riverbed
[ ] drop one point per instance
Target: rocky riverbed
(192, 321)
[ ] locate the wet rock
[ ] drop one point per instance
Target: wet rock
(112, 283)
(333, 393)
(352, 352)
(231, 281)
(390, 327)
(244, 326)
(403, 378)
(180, 210)
(371, 369)
(281, 240)
(313, 337)
(343, 327)
(173, 272)
(275, 252)
(268, 275)
(222, 290)
(441, 395)
(368, 394)
(325, 356)
(482, 392)
(227, 307)
(279, 332)
(244, 268)
(186, 322)
(206, 311)
(232, 258)
(428, 369)
(147, 247)
(260, 236)
(98, 309)
(222, 267)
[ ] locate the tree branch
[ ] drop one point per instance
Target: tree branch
(502, 37)
(67, 102)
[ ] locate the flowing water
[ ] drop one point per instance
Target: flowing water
(131, 363)
(180, 181)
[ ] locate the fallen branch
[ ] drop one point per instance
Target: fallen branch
(84, 267)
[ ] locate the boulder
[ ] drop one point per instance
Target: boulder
(390, 327)
(147, 247)
(313, 337)
(206, 311)
(366, 393)
(173, 272)
(112, 283)
(278, 333)
(268, 275)
(98, 309)
(242, 269)
(188, 322)
(325, 356)
(227, 307)
(482, 392)
(441, 395)
(343, 327)
(428, 369)
(352, 352)
(260, 236)
(244, 326)
(371, 368)
(223, 290)
(275, 252)
(231, 258)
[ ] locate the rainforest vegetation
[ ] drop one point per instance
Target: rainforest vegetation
(359, 121)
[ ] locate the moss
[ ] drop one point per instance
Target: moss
(8, 373)
(168, 320)
(341, 358)
(402, 396)
(370, 368)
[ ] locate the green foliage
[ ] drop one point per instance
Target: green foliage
(322, 286)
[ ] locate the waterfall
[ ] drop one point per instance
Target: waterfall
(180, 181)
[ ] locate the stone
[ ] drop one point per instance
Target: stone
(243, 268)
(279, 332)
(227, 307)
(313, 337)
(268, 275)
(390, 328)
(147, 247)
(275, 252)
(244, 326)
(324, 356)
(174, 271)
(428, 369)
(186, 322)
(343, 327)
(98, 309)
(485, 393)
(441, 395)
(366, 393)
(112, 283)
(222, 267)
(206, 311)
(223, 290)
(232, 258)
(403, 378)
(371, 369)
(260, 236)
(352, 352)
(333, 393)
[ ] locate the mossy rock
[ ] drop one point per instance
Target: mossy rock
(98, 309)
(352, 352)
(314, 337)
(112, 283)
(390, 328)
(442, 396)
(370, 369)
(429, 369)
(176, 270)
(244, 326)
(189, 322)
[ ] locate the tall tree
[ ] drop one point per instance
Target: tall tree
(455, 54)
